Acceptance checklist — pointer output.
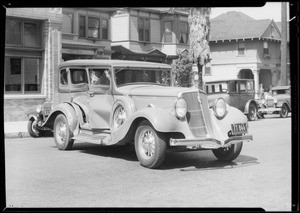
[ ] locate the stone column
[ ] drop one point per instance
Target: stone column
(256, 82)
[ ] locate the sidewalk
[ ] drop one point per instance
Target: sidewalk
(16, 129)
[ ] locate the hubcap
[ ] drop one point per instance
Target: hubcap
(252, 113)
(147, 143)
(120, 116)
(61, 132)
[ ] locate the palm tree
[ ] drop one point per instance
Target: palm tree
(199, 24)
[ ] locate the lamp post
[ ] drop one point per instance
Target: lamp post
(283, 43)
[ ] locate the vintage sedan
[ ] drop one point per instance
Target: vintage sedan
(277, 101)
(238, 93)
(116, 102)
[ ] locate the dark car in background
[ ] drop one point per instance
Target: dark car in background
(238, 93)
(277, 101)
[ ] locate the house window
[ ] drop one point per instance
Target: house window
(22, 70)
(13, 32)
(23, 33)
(104, 29)
(67, 26)
(93, 27)
(90, 27)
(144, 29)
(241, 48)
(266, 48)
(168, 31)
(183, 39)
(82, 26)
(22, 75)
(207, 71)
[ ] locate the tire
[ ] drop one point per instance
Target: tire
(32, 130)
(284, 111)
(252, 112)
(62, 133)
(228, 154)
(149, 156)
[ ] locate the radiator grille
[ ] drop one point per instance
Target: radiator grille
(195, 116)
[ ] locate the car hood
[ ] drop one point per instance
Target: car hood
(153, 90)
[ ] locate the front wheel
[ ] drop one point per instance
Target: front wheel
(252, 112)
(150, 145)
(32, 130)
(284, 111)
(62, 133)
(228, 154)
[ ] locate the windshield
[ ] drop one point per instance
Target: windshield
(133, 75)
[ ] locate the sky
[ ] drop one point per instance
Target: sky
(271, 10)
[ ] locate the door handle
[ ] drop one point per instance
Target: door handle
(92, 94)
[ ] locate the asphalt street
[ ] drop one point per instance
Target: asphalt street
(39, 175)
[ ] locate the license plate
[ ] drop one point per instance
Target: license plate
(240, 128)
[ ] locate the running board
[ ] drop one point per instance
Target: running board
(99, 139)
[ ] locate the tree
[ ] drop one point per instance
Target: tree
(199, 24)
(182, 70)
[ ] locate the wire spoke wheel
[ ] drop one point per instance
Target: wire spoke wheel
(150, 145)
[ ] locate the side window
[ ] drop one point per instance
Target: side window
(233, 86)
(99, 77)
(242, 86)
(78, 76)
(64, 77)
(249, 86)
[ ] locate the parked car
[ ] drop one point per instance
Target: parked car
(277, 101)
(116, 102)
(238, 93)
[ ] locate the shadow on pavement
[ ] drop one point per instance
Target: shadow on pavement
(125, 152)
(197, 162)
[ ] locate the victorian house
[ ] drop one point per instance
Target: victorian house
(242, 47)
(149, 34)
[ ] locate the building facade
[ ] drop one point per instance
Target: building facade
(149, 34)
(32, 54)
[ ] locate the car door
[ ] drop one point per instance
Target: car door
(100, 98)
(234, 97)
(246, 93)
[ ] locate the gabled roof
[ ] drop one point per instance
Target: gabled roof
(236, 25)
(288, 29)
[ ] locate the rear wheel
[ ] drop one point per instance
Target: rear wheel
(252, 112)
(62, 133)
(284, 111)
(228, 154)
(150, 145)
(32, 129)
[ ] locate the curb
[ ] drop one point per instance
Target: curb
(17, 135)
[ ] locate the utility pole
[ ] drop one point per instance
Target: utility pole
(283, 43)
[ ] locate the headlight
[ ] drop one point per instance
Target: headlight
(180, 108)
(275, 101)
(38, 108)
(220, 108)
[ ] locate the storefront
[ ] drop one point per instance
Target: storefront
(31, 54)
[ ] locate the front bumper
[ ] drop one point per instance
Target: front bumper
(269, 110)
(209, 143)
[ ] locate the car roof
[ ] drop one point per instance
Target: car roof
(107, 62)
(218, 81)
(280, 87)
